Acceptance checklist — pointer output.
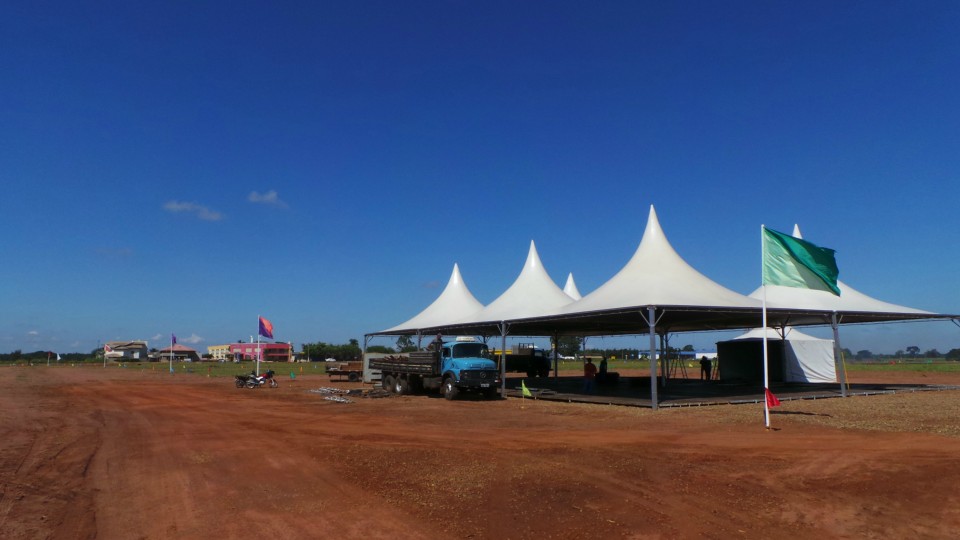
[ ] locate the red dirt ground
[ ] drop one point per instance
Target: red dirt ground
(126, 453)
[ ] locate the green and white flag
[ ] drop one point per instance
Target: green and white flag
(793, 262)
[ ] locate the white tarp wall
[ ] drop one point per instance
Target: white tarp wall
(805, 358)
(810, 360)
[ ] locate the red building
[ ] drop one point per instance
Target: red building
(268, 352)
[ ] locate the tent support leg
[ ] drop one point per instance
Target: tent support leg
(503, 359)
(556, 359)
(652, 331)
(838, 356)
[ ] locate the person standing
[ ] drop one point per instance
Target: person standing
(706, 368)
(589, 374)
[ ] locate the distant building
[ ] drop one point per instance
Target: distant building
(218, 352)
(268, 352)
(180, 353)
(125, 350)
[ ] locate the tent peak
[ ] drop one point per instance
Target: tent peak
(455, 277)
(533, 258)
(454, 302)
(571, 288)
(653, 229)
(657, 275)
(796, 231)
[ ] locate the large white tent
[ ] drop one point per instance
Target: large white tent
(656, 292)
(805, 358)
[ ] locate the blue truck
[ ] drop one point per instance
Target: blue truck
(461, 365)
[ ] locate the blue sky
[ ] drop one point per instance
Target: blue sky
(183, 167)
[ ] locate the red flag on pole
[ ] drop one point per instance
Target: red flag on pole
(772, 400)
(266, 328)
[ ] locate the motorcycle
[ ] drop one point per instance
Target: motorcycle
(253, 381)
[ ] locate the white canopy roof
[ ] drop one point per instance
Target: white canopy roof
(850, 300)
(455, 302)
(658, 276)
(571, 288)
(533, 294)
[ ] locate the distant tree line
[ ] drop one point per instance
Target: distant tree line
(41, 356)
(909, 352)
(320, 351)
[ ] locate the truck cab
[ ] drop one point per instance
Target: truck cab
(467, 364)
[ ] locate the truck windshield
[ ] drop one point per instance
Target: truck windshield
(470, 350)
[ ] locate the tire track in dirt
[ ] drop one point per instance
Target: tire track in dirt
(45, 495)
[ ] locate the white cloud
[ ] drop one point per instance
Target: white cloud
(200, 211)
(157, 337)
(193, 339)
(269, 198)
(33, 333)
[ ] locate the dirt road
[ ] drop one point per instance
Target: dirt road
(116, 453)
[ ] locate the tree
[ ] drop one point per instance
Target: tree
(381, 349)
(864, 354)
(932, 353)
(569, 345)
(913, 350)
(688, 348)
(322, 351)
(953, 354)
(405, 344)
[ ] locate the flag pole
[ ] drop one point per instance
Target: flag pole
(766, 374)
(258, 346)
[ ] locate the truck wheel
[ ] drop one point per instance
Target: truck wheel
(387, 382)
(450, 389)
(490, 393)
(401, 386)
(353, 376)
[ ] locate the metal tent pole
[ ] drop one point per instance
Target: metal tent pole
(838, 355)
(503, 359)
(652, 330)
